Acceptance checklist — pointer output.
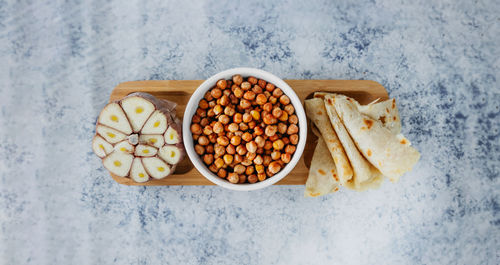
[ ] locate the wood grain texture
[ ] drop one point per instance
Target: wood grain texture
(364, 91)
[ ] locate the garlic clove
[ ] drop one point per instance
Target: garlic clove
(172, 136)
(170, 153)
(138, 173)
(156, 124)
(124, 147)
(145, 150)
(155, 140)
(101, 147)
(111, 136)
(138, 111)
(155, 167)
(118, 163)
(113, 116)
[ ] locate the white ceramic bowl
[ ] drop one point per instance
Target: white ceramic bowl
(193, 105)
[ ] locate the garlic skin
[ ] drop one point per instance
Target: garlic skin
(139, 137)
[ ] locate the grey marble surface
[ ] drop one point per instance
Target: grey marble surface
(60, 60)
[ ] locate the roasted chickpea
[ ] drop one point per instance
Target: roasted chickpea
(259, 168)
(216, 92)
(243, 126)
(247, 117)
(269, 87)
(267, 107)
(213, 168)
(219, 162)
(233, 99)
(201, 112)
(196, 119)
(277, 92)
(273, 99)
(219, 150)
(277, 112)
(278, 144)
(262, 83)
(290, 149)
(271, 130)
(230, 149)
(241, 149)
(225, 92)
(243, 179)
(249, 95)
(228, 159)
(237, 117)
(289, 109)
(294, 139)
(274, 167)
(258, 130)
(273, 138)
(293, 119)
(222, 84)
(208, 96)
(260, 141)
(218, 109)
(203, 104)
(282, 127)
(210, 113)
(250, 156)
(208, 159)
(260, 150)
(229, 111)
(257, 89)
(209, 149)
(252, 124)
(233, 127)
(286, 157)
(249, 170)
(222, 140)
(233, 178)
(235, 140)
(255, 115)
(285, 100)
(261, 99)
(237, 79)
(268, 145)
(212, 138)
(222, 173)
(245, 103)
(239, 169)
(224, 119)
(252, 179)
(252, 80)
(247, 137)
(284, 116)
(196, 129)
(238, 158)
(224, 100)
(218, 127)
(269, 119)
(207, 130)
(261, 176)
(251, 146)
(275, 155)
(203, 140)
(196, 136)
(258, 160)
(292, 129)
(285, 140)
(238, 92)
(212, 103)
(267, 160)
(246, 85)
(199, 149)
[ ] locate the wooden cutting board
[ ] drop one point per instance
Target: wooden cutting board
(364, 91)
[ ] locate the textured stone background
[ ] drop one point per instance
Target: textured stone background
(60, 60)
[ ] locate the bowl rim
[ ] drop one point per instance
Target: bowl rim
(191, 109)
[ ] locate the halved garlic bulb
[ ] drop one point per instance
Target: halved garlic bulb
(139, 137)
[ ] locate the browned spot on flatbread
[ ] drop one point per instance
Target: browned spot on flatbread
(369, 123)
(387, 110)
(369, 152)
(321, 171)
(336, 189)
(394, 118)
(403, 141)
(319, 112)
(334, 175)
(363, 128)
(314, 194)
(322, 96)
(393, 103)
(350, 99)
(382, 119)
(330, 101)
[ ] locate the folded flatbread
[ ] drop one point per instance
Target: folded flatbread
(365, 174)
(322, 173)
(385, 111)
(315, 109)
(391, 154)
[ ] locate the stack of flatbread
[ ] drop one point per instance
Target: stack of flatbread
(358, 145)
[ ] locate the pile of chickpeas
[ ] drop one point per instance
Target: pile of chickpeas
(245, 130)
